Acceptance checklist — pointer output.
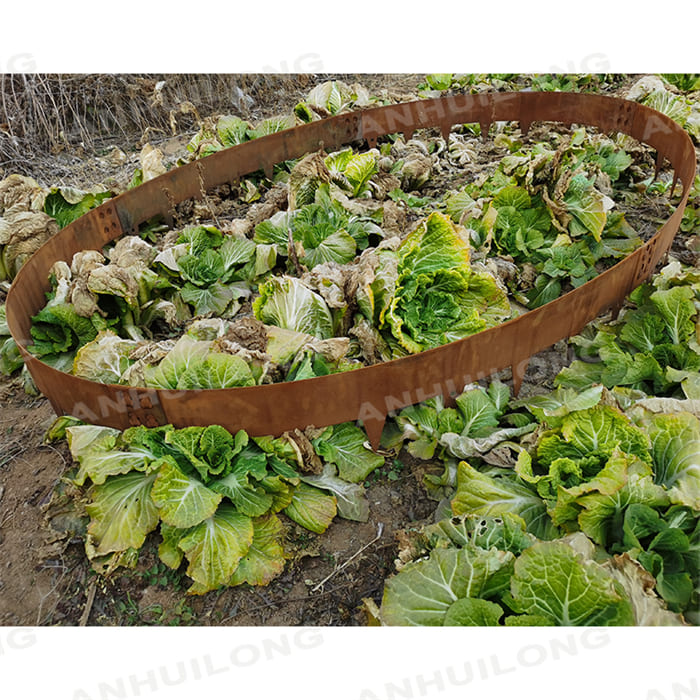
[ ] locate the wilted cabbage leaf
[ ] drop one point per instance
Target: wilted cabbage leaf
(312, 508)
(122, 512)
(215, 547)
(104, 359)
(265, 557)
(351, 499)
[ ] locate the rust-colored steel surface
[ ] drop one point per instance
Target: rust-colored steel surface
(368, 393)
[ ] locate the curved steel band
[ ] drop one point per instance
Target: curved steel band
(368, 393)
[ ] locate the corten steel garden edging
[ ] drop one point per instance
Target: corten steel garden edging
(367, 393)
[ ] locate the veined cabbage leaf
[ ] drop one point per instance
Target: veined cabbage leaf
(345, 446)
(675, 447)
(550, 579)
(287, 303)
(122, 512)
(437, 297)
(265, 557)
(215, 547)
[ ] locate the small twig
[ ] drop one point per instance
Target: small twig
(11, 456)
(203, 192)
(88, 605)
(9, 513)
(53, 449)
(380, 530)
(292, 252)
(285, 601)
(44, 596)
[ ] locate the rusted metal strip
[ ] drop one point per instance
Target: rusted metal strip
(369, 393)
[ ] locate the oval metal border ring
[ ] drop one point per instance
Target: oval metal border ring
(369, 393)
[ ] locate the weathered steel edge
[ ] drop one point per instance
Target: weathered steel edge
(369, 393)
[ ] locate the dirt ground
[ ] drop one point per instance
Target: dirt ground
(45, 577)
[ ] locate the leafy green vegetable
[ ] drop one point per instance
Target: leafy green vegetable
(523, 224)
(593, 434)
(323, 228)
(66, 204)
(182, 500)
(686, 82)
(587, 206)
(232, 130)
(676, 308)
(437, 297)
(312, 508)
(100, 455)
(439, 81)
(550, 580)
(344, 446)
(424, 591)
(351, 499)
(675, 446)
(213, 493)
(58, 328)
(121, 512)
(10, 357)
(473, 612)
(265, 557)
(481, 494)
(288, 303)
(666, 544)
(622, 482)
(353, 170)
(271, 125)
(104, 359)
(673, 106)
(192, 365)
(486, 571)
(331, 97)
(650, 348)
(215, 547)
(249, 499)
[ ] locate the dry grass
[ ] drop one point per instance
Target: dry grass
(43, 116)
